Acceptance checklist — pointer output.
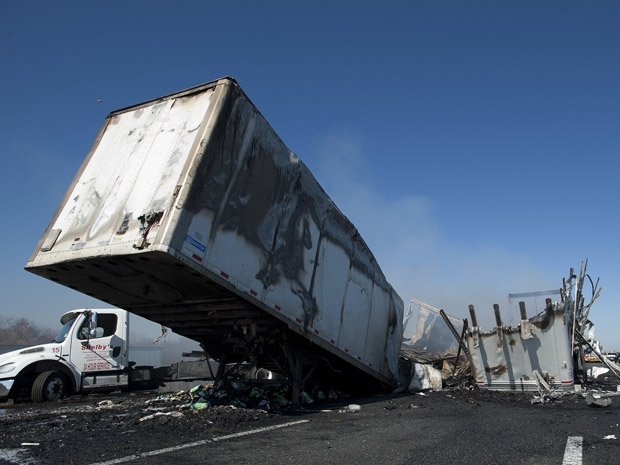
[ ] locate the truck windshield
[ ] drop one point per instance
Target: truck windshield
(62, 334)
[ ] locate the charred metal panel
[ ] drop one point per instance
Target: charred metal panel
(190, 211)
(539, 348)
(545, 352)
(426, 332)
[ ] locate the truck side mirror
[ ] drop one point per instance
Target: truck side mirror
(92, 324)
(116, 351)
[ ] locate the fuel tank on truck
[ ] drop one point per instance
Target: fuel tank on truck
(191, 212)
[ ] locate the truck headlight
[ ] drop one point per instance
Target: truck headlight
(7, 367)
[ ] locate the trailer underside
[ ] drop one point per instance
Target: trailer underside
(229, 328)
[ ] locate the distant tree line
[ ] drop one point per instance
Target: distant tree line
(20, 331)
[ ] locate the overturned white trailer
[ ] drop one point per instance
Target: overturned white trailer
(191, 212)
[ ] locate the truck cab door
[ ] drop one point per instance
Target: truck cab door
(99, 353)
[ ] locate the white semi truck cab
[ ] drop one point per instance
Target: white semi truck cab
(90, 353)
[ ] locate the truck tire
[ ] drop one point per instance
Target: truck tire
(49, 386)
(259, 373)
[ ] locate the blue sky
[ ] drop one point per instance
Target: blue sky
(474, 144)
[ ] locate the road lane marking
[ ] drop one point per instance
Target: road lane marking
(202, 442)
(573, 451)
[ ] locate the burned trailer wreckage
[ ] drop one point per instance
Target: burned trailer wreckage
(520, 358)
(433, 353)
(542, 353)
(190, 211)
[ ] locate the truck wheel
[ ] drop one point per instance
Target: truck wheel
(49, 387)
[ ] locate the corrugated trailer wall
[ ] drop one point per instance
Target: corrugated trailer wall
(190, 211)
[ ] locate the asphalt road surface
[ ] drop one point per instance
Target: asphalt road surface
(443, 427)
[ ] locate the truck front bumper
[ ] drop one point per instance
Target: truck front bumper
(5, 388)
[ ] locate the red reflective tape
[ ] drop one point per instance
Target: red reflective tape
(297, 320)
(359, 358)
(224, 274)
(346, 350)
(196, 257)
(277, 307)
(332, 341)
(253, 292)
(316, 331)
